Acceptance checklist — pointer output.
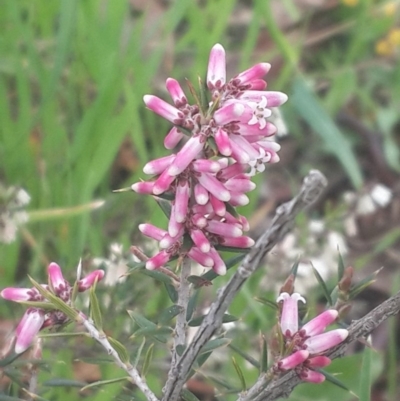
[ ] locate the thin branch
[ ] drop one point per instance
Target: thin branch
(132, 371)
(311, 190)
(361, 328)
(183, 301)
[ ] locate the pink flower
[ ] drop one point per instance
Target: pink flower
(226, 140)
(309, 338)
(36, 319)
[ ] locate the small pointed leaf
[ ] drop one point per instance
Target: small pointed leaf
(247, 357)
(120, 348)
(264, 355)
(95, 312)
(169, 313)
(138, 353)
(147, 360)
(240, 374)
(105, 382)
(323, 286)
(188, 395)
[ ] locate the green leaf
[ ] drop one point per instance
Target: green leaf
(362, 284)
(272, 304)
(227, 318)
(215, 344)
(167, 314)
(95, 312)
(334, 380)
(340, 266)
(149, 328)
(165, 206)
(295, 267)
(147, 360)
(172, 293)
(264, 355)
(309, 107)
(191, 304)
(105, 382)
(240, 374)
(323, 285)
(138, 353)
(58, 303)
(63, 383)
(120, 348)
(365, 375)
(187, 395)
(247, 357)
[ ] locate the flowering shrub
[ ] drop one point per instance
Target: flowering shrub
(222, 140)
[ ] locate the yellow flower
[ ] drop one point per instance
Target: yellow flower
(390, 8)
(393, 37)
(383, 48)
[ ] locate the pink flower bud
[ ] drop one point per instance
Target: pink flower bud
(164, 109)
(28, 328)
(176, 92)
(293, 360)
(214, 186)
(186, 155)
(157, 166)
(90, 279)
(319, 323)
(254, 73)
(216, 72)
(322, 342)
(173, 138)
(158, 260)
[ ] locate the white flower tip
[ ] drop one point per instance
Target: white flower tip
(282, 296)
(297, 297)
(147, 99)
(266, 66)
(79, 270)
(148, 169)
(238, 109)
(218, 47)
(220, 270)
(283, 97)
(342, 333)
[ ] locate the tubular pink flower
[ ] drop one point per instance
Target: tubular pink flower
(240, 184)
(230, 112)
(214, 186)
(231, 171)
(290, 315)
(238, 242)
(200, 257)
(200, 240)
(168, 241)
(223, 143)
(164, 109)
(144, 187)
(254, 73)
(152, 231)
(319, 323)
(216, 72)
(186, 155)
(256, 85)
(181, 201)
(200, 194)
(322, 342)
(319, 361)
(174, 227)
(199, 221)
(157, 166)
(158, 260)
(28, 328)
(239, 199)
(312, 376)
(223, 229)
(21, 294)
(219, 265)
(206, 166)
(293, 360)
(173, 138)
(245, 145)
(218, 206)
(176, 92)
(56, 279)
(90, 279)
(163, 183)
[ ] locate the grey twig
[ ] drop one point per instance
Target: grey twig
(361, 328)
(133, 373)
(312, 188)
(183, 301)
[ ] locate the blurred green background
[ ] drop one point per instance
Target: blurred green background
(73, 128)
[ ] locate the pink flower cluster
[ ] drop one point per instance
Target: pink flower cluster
(36, 319)
(307, 344)
(228, 139)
